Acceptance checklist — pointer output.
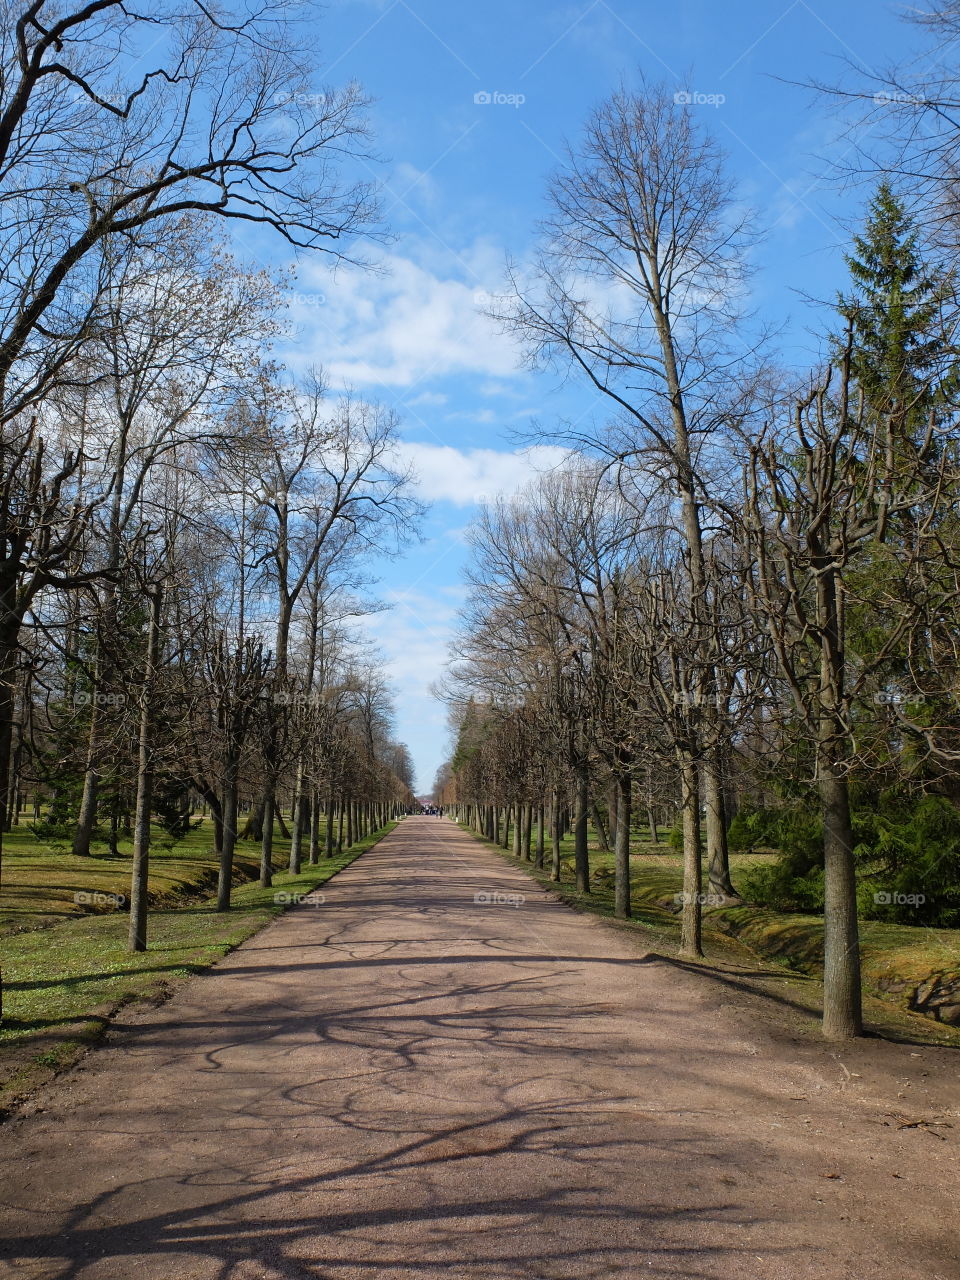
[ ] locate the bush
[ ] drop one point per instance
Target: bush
(52, 830)
(780, 890)
(753, 828)
(795, 881)
(908, 850)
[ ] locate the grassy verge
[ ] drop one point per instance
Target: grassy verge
(44, 884)
(62, 985)
(778, 953)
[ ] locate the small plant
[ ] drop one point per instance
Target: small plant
(50, 1058)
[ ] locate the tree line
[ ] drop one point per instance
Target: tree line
(186, 527)
(735, 605)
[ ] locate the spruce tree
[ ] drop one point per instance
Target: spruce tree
(902, 350)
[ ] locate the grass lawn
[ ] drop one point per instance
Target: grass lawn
(61, 984)
(740, 936)
(41, 877)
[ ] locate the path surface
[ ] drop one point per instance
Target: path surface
(404, 1082)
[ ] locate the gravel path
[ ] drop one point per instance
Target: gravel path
(407, 1082)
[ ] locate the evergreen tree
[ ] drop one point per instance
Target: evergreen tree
(902, 349)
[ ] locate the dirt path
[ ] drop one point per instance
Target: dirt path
(404, 1082)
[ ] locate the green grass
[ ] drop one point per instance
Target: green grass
(755, 937)
(41, 877)
(62, 984)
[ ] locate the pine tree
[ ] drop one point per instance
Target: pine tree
(902, 350)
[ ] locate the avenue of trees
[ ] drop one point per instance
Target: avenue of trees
(733, 613)
(184, 526)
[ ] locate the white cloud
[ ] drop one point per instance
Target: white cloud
(467, 476)
(407, 179)
(405, 324)
(499, 389)
(432, 399)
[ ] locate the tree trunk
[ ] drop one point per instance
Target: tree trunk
(621, 887)
(139, 877)
(296, 822)
(9, 650)
(266, 842)
(718, 854)
(13, 789)
(842, 1002)
(555, 837)
(328, 833)
(581, 853)
(253, 827)
(278, 818)
(231, 817)
(602, 840)
(540, 834)
(691, 919)
(87, 818)
(314, 827)
(211, 801)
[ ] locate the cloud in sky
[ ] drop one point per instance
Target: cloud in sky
(468, 476)
(432, 399)
(406, 324)
(415, 633)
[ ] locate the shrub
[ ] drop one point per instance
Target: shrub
(795, 881)
(779, 889)
(908, 850)
(752, 828)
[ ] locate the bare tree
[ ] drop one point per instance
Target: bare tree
(95, 153)
(638, 286)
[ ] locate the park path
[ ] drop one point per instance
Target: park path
(407, 1082)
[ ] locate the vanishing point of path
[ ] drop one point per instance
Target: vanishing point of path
(404, 1082)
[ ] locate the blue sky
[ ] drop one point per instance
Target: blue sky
(463, 184)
